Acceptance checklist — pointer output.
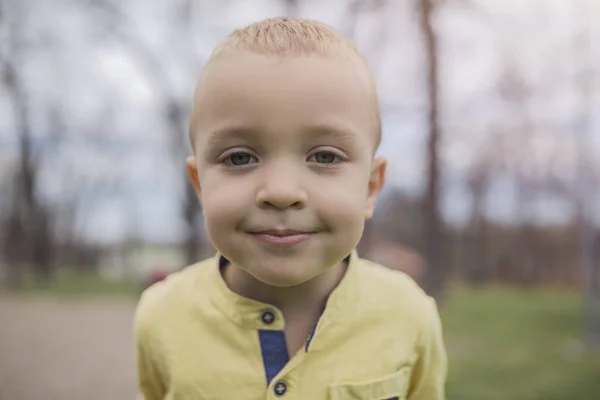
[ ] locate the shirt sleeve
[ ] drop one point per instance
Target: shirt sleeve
(150, 381)
(428, 379)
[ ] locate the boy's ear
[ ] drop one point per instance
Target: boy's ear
(376, 182)
(192, 171)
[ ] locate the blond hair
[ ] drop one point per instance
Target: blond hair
(294, 37)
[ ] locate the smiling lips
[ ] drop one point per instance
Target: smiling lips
(282, 237)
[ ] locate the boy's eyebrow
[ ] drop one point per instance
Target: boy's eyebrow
(220, 136)
(337, 132)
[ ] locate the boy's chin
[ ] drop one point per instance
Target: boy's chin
(282, 280)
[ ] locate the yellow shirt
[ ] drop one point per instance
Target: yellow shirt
(379, 338)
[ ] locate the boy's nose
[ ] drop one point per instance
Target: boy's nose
(281, 189)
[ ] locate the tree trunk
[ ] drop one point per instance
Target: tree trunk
(192, 244)
(436, 273)
(27, 225)
(190, 207)
(291, 8)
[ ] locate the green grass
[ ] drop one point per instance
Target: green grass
(518, 345)
(69, 284)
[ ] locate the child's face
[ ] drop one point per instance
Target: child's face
(284, 163)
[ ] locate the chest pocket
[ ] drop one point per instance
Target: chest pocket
(391, 387)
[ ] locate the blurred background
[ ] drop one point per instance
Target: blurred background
(491, 120)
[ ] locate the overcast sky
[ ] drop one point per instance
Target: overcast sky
(108, 99)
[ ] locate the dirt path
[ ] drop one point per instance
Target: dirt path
(66, 349)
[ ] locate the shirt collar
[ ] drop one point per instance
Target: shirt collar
(255, 315)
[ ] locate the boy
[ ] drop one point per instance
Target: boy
(284, 129)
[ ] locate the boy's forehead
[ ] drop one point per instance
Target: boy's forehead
(238, 65)
(247, 86)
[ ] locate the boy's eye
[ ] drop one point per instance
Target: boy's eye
(325, 157)
(240, 159)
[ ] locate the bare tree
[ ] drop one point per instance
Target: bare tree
(436, 272)
(478, 183)
(587, 242)
(28, 237)
(175, 108)
(291, 7)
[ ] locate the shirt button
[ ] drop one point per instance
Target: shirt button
(280, 388)
(268, 317)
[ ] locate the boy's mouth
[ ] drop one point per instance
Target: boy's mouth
(282, 237)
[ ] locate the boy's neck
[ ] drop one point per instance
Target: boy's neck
(310, 296)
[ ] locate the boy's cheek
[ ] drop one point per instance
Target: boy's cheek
(224, 201)
(341, 207)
